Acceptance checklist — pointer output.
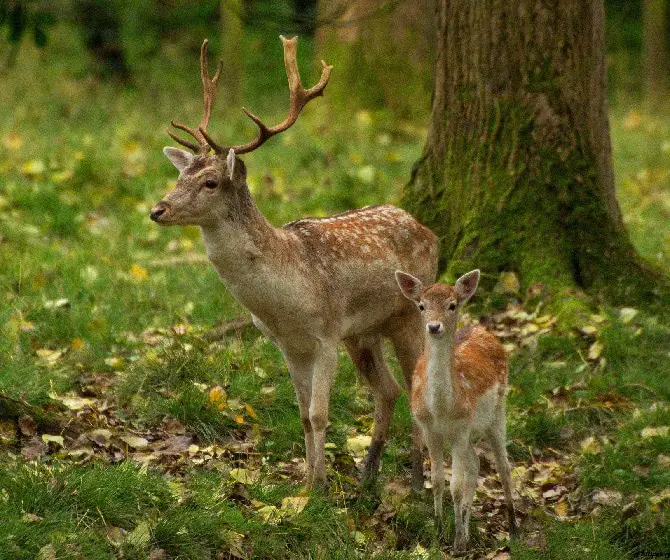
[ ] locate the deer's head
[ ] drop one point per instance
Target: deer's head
(209, 183)
(439, 303)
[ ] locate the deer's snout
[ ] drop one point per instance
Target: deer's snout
(158, 210)
(434, 327)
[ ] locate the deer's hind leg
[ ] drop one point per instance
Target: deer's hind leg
(367, 355)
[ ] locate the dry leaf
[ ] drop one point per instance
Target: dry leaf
(358, 444)
(27, 425)
(48, 438)
(627, 314)
(561, 508)
(135, 442)
(595, 350)
(245, 476)
(294, 504)
(250, 411)
(651, 431)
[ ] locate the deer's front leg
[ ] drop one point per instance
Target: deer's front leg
(325, 364)
(301, 370)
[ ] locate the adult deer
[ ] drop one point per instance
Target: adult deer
(458, 396)
(312, 283)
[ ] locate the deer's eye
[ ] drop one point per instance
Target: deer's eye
(422, 307)
(452, 306)
(211, 184)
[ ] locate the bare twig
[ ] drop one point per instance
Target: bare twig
(236, 325)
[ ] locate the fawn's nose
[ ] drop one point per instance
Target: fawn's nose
(158, 210)
(434, 327)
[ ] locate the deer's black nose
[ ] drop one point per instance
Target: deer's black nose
(434, 328)
(158, 210)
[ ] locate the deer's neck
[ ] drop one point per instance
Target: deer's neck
(241, 244)
(440, 364)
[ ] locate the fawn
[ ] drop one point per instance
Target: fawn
(312, 283)
(458, 396)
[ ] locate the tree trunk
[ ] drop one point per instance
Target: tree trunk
(656, 53)
(232, 48)
(383, 48)
(516, 172)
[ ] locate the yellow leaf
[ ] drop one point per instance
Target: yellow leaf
(245, 476)
(34, 167)
(633, 119)
(239, 419)
(218, 397)
(138, 273)
(135, 442)
(590, 446)
(294, 504)
(251, 411)
(77, 344)
(12, 141)
(595, 350)
(115, 362)
(358, 444)
(46, 438)
(561, 509)
(660, 431)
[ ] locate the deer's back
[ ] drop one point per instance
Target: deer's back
(353, 256)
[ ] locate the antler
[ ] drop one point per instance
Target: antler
(209, 86)
(298, 95)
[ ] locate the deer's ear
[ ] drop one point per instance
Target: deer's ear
(409, 286)
(230, 163)
(179, 158)
(466, 285)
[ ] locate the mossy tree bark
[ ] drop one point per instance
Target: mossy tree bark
(516, 172)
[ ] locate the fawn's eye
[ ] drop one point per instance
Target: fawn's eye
(452, 306)
(211, 184)
(422, 307)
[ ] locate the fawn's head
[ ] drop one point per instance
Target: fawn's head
(209, 184)
(439, 303)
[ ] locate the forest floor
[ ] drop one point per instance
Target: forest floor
(138, 419)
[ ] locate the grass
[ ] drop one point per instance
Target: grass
(97, 302)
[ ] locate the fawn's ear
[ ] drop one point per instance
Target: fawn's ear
(411, 287)
(466, 285)
(179, 158)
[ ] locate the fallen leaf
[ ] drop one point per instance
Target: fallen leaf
(48, 438)
(651, 431)
(250, 410)
(135, 442)
(27, 426)
(218, 397)
(245, 476)
(34, 449)
(140, 535)
(61, 303)
(138, 273)
(73, 402)
(101, 436)
(561, 508)
(359, 444)
(34, 167)
(50, 356)
(627, 314)
(294, 504)
(595, 350)
(607, 497)
(590, 446)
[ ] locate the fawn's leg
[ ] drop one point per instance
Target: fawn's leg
(497, 438)
(465, 466)
(325, 364)
(366, 353)
(435, 443)
(300, 367)
(407, 338)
